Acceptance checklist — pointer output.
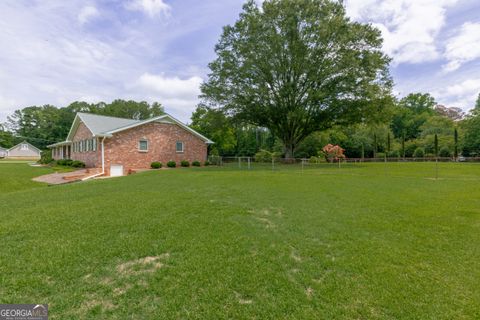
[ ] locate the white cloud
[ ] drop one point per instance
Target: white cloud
(87, 13)
(150, 7)
(171, 87)
(180, 95)
(467, 87)
(460, 94)
(409, 27)
(463, 47)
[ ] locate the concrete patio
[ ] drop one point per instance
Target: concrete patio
(67, 177)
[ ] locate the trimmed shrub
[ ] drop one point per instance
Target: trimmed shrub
(46, 157)
(196, 163)
(314, 159)
(171, 164)
(263, 156)
(156, 165)
(185, 163)
(445, 153)
(380, 155)
(77, 164)
(207, 163)
(61, 162)
(419, 153)
(393, 154)
(65, 162)
(410, 149)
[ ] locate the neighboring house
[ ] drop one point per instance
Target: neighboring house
(24, 151)
(3, 152)
(117, 145)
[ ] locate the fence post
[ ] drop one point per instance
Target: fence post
(273, 163)
(248, 163)
(239, 163)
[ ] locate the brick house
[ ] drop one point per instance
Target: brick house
(118, 145)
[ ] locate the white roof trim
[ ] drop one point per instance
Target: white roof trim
(25, 142)
(62, 143)
(178, 122)
(76, 123)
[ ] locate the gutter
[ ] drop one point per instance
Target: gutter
(103, 164)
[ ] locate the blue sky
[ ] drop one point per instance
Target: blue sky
(57, 52)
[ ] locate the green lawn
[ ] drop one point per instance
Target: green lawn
(369, 241)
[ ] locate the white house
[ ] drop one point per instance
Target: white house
(3, 152)
(24, 151)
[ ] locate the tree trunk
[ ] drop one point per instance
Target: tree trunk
(289, 148)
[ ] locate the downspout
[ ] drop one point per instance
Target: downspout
(103, 164)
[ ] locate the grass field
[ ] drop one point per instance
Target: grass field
(365, 241)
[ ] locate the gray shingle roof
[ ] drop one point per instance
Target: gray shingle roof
(102, 124)
(105, 126)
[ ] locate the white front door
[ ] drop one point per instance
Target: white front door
(116, 170)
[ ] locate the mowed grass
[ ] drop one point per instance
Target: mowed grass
(17, 175)
(370, 241)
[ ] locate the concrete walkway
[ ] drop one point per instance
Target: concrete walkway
(67, 177)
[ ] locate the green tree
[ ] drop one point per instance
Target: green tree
(471, 132)
(298, 66)
(6, 138)
(43, 125)
(216, 126)
(455, 139)
(129, 109)
(37, 125)
(440, 127)
(411, 113)
(476, 108)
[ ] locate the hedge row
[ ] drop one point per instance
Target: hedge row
(173, 164)
(71, 163)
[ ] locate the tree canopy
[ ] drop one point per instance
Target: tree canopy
(298, 66)
(44, 125)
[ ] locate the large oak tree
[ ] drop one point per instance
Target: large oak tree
(298, 66)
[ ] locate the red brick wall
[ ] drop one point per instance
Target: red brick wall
(91, 158)
(122, 148)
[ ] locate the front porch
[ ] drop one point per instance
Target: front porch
(61, 150)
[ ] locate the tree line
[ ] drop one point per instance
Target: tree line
(408, 129)
(47, 124)
(290, 77)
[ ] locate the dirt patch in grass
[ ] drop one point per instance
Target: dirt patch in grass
(267, 222)
(142, 265)
(242, 300)
(116, 284)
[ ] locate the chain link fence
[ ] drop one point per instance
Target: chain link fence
(427, 167)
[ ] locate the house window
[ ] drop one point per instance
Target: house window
(24, 146)
(143, 145)
(94, 142)
(179, 146)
